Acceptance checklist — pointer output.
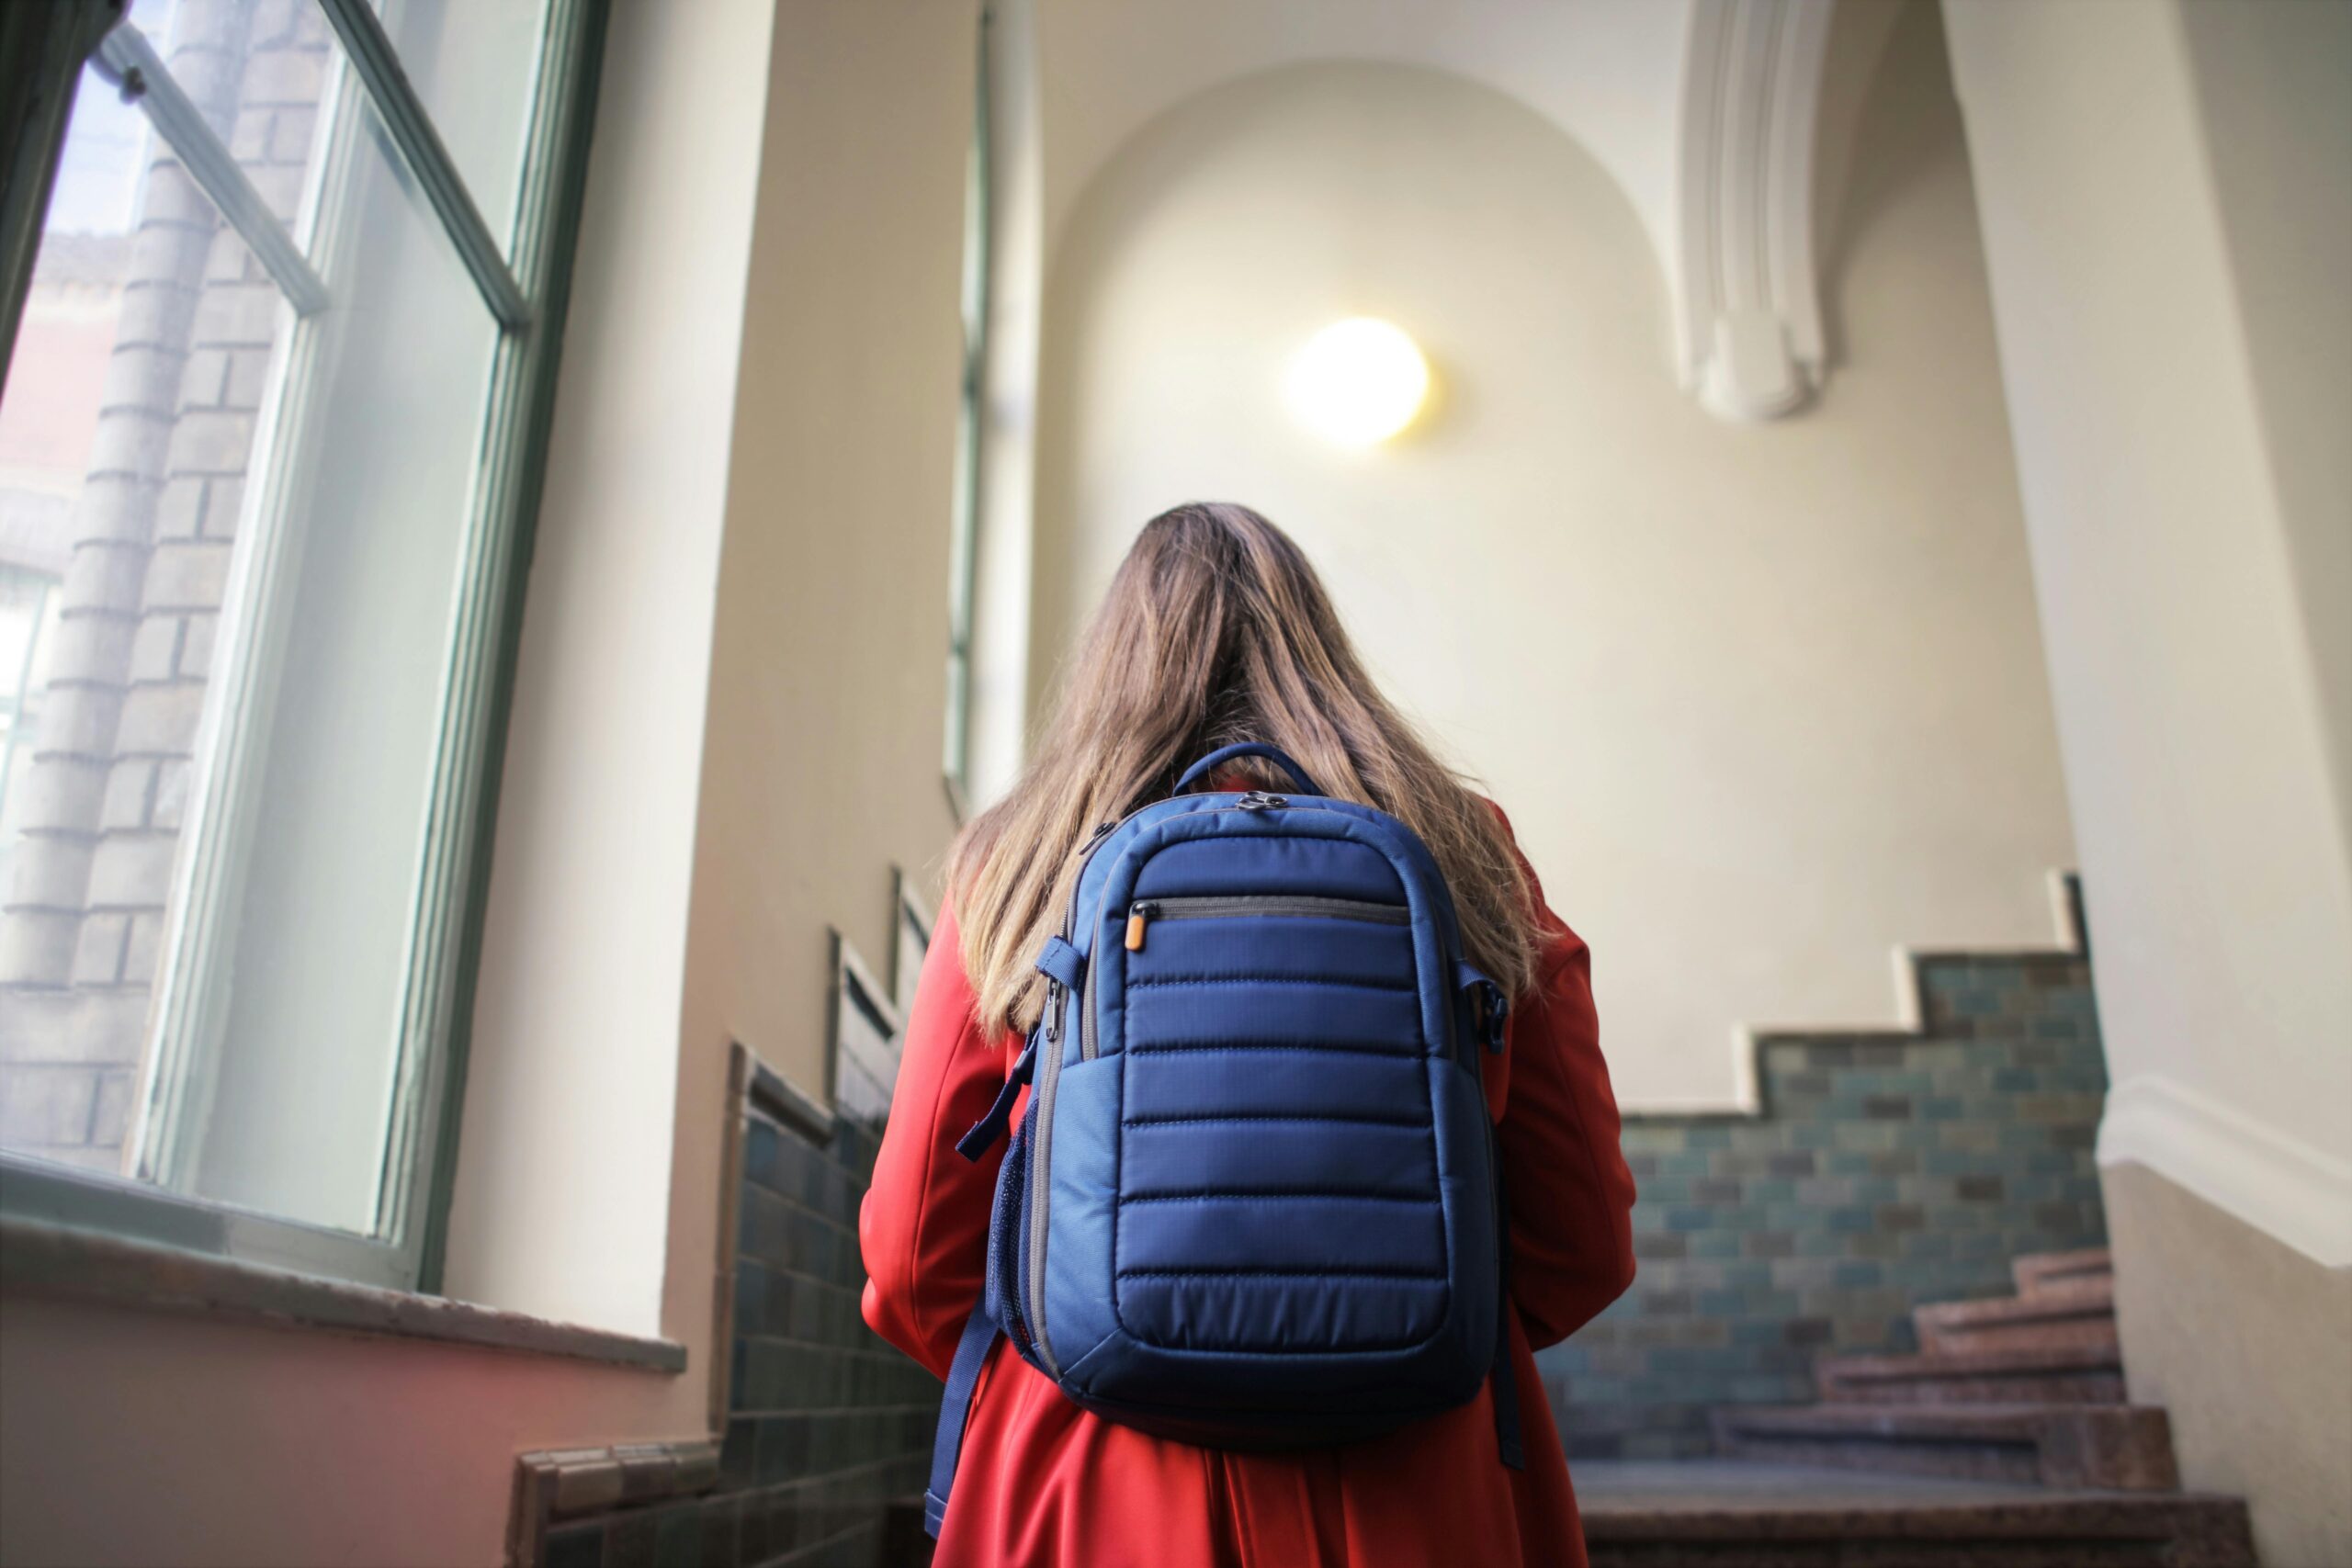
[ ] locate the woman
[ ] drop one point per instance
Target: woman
(1216, 629)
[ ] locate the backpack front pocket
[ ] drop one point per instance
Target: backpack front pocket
(1256, 906)
(1278, 1188)
(1273, 969)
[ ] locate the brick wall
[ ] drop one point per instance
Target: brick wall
(148, 546)
(1886, 1170)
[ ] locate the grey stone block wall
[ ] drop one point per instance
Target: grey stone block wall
(1886, 1170)
(148, 555)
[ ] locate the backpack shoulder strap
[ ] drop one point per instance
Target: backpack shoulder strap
(1504, 1378)
(980, 1335)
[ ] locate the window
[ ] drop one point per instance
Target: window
(268, 460)
(963, 556)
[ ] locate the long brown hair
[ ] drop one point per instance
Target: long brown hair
(1216, 629)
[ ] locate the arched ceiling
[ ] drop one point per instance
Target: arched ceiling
(1606, 71)
(1702, 111)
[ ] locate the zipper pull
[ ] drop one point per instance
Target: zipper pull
(1137, 915)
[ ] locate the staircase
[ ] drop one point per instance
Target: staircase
(2052, 1344)
(1880, 1169)
(2009, 1438)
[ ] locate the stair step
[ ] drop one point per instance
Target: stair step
(2078, 1311)
(1721, 1512)
(2035, 1269)
(2068, 1374)
(2125, 1447)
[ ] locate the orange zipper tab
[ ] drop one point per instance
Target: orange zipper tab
(1134, 928)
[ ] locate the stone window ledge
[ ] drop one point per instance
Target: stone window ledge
(57, 1259)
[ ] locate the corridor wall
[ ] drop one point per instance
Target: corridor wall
(2167, 192)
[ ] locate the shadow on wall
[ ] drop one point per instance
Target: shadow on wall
(1889, 73)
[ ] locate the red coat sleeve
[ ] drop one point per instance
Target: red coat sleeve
(923, 1227)
(1570, 1195)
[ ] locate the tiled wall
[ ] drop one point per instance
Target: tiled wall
(828, 1429)
(827, 1424)
(1886, 1170)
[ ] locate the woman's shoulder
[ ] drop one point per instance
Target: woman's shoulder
(1559, 939)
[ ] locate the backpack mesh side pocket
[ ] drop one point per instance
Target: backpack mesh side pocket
(1005, 1225)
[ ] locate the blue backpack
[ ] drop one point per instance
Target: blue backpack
(1254, 1201)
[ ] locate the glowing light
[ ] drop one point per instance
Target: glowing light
(1357, 382)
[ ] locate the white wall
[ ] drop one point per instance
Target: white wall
(1761, 701)
(828, 694)
(2167, 192)
(563, 1176)
(1074, 80)
(2167, 225)
(2275, 89)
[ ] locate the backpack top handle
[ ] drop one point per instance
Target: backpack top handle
(1223, 754)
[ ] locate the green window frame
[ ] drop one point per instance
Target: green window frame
(523, 280)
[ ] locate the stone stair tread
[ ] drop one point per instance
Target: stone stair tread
(2038, 1270)
(1997, 1361)
(2053, 1333)
(1739, 1504)
(2079, 1373)
(2079, 1312)
(2088, 1297)
(1982, 1423)
(2123, 1446)
(2067, 1261)
(1618, 1490)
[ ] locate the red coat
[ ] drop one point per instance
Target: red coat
(1045, 1483)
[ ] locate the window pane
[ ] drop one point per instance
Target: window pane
(292, 1065)
(204, 939)
(472, 63)
(148, 338)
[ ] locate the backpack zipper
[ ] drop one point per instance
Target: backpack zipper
(1206, 906)
(1236, 905)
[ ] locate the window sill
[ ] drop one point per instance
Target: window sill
(62, 1260)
